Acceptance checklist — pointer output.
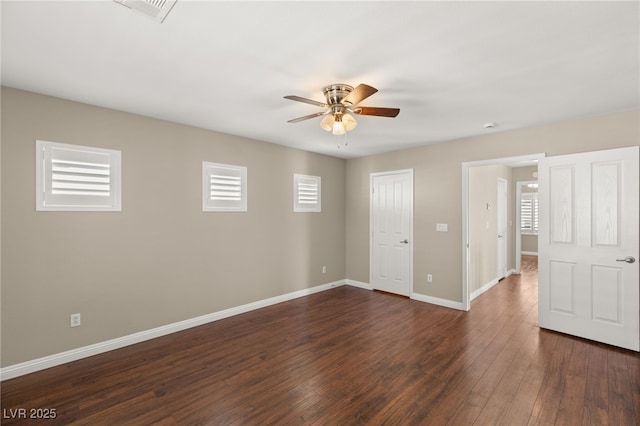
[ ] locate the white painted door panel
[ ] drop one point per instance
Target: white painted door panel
(588, 226)
(391, 216)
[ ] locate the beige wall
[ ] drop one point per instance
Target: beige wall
(438, 189)
(522, 174)
(529, 243)
(161, 259)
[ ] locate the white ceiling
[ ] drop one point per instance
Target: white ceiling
(449, 66)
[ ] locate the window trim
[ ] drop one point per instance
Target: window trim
(209, 205)
(44, 178)
(299, 207)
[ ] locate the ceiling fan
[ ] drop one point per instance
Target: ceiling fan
(341, 101)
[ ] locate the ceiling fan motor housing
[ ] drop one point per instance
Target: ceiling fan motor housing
(335, 93)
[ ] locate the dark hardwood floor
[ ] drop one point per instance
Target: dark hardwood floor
(350, 356)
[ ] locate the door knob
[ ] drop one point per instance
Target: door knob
(405, 241)
(628, 259)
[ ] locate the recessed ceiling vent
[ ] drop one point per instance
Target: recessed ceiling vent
(156, 9)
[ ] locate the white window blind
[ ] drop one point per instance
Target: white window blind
(307, 195)
(529, 212)
(77, 178)
(224, 187)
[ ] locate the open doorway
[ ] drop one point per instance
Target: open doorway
(526, 184)
(480, 218)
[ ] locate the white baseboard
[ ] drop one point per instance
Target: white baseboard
(490, 284)
(484, 288)
(359, 284)
(438, 301)
(32, 366)
(530, 253)
(415, 296)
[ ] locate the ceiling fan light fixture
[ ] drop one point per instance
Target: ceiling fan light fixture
(349, 122)
(327, 122)
(338, 127)
(338, 124)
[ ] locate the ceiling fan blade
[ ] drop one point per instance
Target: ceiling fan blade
(306, 117)
(306, 101)
(360, 93)
(380, 112)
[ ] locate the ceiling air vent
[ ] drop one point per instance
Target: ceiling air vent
(156, 9)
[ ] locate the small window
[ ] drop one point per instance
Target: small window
(307, 194)
(529, 213)
(77, 178)
(224, 188)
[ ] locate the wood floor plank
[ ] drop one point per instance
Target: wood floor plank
(571, 406)
(621, 403)
(502, 395)
(521, 407)
(596, 404)
(633, 363)
(545, 409)
(351, 357)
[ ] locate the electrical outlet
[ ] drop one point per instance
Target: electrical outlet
(75, 320)
(324, 269)
(429, 278)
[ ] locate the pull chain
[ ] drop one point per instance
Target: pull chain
(346, 142)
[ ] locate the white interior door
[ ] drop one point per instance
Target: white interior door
(588, 246)
(391, 231)
(501, 214)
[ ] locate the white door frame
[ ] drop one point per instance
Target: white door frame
(510, 161)
(371, 229)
